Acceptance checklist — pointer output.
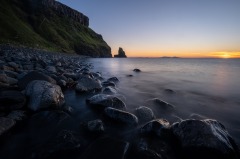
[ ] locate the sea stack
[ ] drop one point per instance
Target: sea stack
(121, 53)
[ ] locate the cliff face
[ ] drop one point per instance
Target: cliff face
(50, 25)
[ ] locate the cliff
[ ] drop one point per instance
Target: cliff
(49, 25)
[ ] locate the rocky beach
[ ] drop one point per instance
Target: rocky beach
(36, 121)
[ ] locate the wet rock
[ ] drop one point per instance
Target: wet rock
(95, 126)
(144, 114)
(107, 148)
(70, 75)
(43, 94)
(64, 142)
(17, 115)
(129, 75)
(121, 116)
(13, 65)
(12, 81)
(62, 83)
(34, 75)
(136, 70)
(11, 100)
(86, 84)
(108, 83)
(3, 78)
(169, 91)
(205, 139)
(6, 124)
(96, 75)
(113, 79)
(68, 109)
(11, 74)
(148, 154)
(7, 68)
(51, 69)
(109, 90)
(161, 104)
(101, 101)
(159, 127)
(197, 116)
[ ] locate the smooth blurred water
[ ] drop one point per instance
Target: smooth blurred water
(208, 87)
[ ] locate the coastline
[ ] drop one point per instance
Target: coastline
(133, 134)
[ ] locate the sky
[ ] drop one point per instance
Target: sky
(156, 28)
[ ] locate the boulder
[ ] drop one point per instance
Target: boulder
(161, 104)
(144, 114)
(113, 79)
(136, 70)
(121, 116)
(109, 90)
(204, 139)
(51, 69)
(101, 101)
(107, 148)
(108, 83)
(86, 84)
(34, 75)
(65, 142)
(43, 94)
(17, 115)
(95, 126)
(6, 124)
(11, 100)
(159, 127)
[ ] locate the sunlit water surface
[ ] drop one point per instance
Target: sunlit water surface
(207, 87)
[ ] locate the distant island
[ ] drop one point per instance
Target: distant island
(169, 57)
(121, 53)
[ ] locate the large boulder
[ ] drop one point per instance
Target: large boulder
(144, 114)
(11, 100)
(159, 127)
(87, 84)
(107, 148)
(121, 116)
(6, 124)
(205, 139)
(101, 101)
(43, 94)
(34, 75)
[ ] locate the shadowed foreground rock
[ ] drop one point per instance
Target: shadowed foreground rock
(205, 139)
(101, 101)
(106, 148)
(43, 94)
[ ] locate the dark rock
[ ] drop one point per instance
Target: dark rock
(6, 124)
(101, 101)
(148, 154)
(3, 78)
(197, 116)
(68, 109)
(12, 81)
(23, 82)
(106, 148)
(121, 116)
(129, 75)
(205, 139)
(64, 142)
(136, 70)
(95, 126)
(11, 100)
(108, 83)
(17, 115)
(121, 53)
(51, 69)
(159, 127)
(43, 94)
(113, 79)
(144, 114)
(109, 90)
(161, 104)
(11, 74)
(86, 84)
(13, 65)
(169, 91)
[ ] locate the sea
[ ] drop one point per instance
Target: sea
(197, 88)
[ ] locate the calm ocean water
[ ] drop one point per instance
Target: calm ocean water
(207, 87)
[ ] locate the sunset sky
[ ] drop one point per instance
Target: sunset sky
(155, 28)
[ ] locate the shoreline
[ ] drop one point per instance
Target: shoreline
(37, 110)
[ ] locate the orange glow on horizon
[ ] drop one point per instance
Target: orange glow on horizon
(184, 55)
